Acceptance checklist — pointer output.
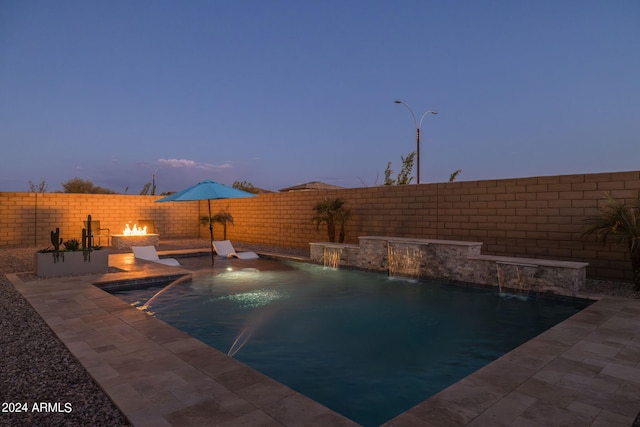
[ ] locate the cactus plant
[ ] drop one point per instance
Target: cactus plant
(89, 233)
(56, 240)
(84, 239)
(87, 240)
(72, 245)
(70, 248)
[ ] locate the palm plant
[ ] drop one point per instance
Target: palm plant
(619, 221)
(342, 215)
(223, 217)
(331, 212)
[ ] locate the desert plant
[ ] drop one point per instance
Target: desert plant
(56, 241)
(87, 240)
(246, 186)
(87, 235)
(146, 189)
(404, 177)
(72, 245)
(454, 175)
(331, 212)
(342, 215)
(37, 188)
(223, 217)
(79, 185)
(619, 221)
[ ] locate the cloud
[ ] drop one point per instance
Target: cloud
(226, 165)
(176, 163)
(184, 163)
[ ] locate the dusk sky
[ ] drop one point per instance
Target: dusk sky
(279, 93)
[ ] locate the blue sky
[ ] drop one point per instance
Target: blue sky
(280, 93)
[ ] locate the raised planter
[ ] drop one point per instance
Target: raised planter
(71, 263)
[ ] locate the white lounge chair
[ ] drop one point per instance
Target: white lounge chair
(148, 253)
(225, 248)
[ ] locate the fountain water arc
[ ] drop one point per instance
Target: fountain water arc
(182, 279)
(241, 340)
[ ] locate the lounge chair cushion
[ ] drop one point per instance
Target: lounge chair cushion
(225, 248)
(148, 253)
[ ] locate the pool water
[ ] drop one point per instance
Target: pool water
(364, 345)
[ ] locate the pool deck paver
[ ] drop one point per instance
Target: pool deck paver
(584, 371)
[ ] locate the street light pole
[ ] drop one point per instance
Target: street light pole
(418, 125)
(153, 182)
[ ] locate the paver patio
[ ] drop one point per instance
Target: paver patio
(583, 371)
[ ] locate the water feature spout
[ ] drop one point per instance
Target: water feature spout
(518, 280)
(241, 340)
(404, 260)
(166, 288)
(332, 256)
(252, 325)
(500, 278)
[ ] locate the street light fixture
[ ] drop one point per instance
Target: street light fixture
(418, 126)
(153, 181)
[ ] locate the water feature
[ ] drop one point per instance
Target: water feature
(404, 260)
(178, 281)
(361, 344)
(242, 339)
(332, 256)
(519, 280)
(455, 260)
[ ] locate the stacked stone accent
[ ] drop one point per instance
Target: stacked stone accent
(120, 241)
(462, 261)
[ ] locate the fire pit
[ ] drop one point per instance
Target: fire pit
(134, 236)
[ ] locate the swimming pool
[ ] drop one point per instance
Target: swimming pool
(361, 344)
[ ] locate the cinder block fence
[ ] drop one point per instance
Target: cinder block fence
(538, 217)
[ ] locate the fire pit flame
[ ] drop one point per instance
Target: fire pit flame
(135, 231)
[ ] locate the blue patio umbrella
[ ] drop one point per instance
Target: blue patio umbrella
(206, 190)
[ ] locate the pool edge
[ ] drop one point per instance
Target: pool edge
(599, 346)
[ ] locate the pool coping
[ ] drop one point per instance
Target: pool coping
(583, 371)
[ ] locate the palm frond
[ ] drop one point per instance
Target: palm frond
(618, 221)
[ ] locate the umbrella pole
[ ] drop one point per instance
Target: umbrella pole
(211, 232)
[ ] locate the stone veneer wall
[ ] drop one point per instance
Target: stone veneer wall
(460, 261)
(120, 241)
(538, 217)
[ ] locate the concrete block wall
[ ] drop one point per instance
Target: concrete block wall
(538, 217)
(26, 219)
(281, 219)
